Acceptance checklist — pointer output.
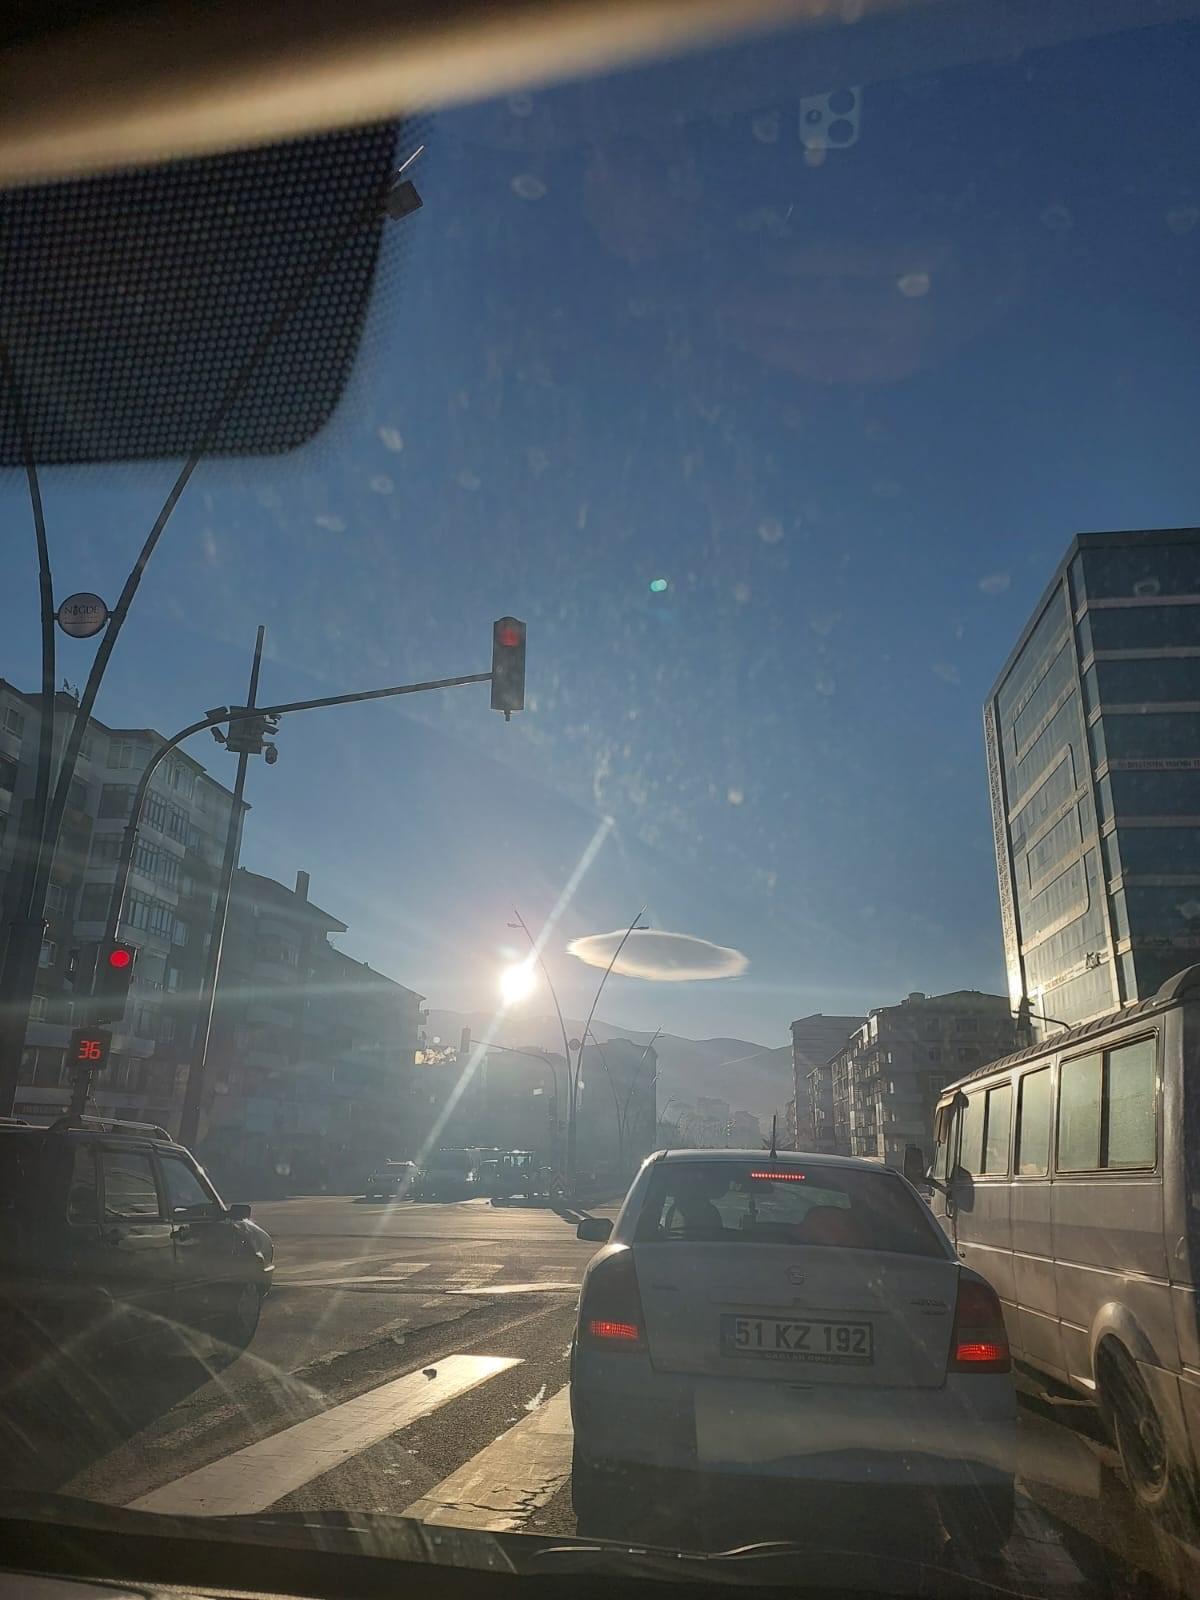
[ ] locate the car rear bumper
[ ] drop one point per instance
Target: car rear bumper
(962, 1435)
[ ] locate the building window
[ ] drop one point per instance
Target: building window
(182, 779)
(77, 794)
(116, 799)
(14, 722)
(9, 768)
(124, 753)
(56, 897)
(37, 1007)
(177, 824)
(180, 935)
(154, 813)
(93, 902)
(86, 746)
(145, 858)
(106, 848)
(173, 978)
(49, 953)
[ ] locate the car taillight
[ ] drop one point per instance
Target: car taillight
(610, 1314)
(978, 1341)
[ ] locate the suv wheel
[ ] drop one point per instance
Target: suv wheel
(240, 1322)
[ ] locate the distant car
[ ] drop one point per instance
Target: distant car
(393, 1181)
(112, 1229)
(788, 1317)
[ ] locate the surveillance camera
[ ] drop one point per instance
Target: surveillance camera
(270, 755)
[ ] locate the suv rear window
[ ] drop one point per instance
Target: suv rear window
(764, 1203)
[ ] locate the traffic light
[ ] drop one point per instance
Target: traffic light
(508, 666)
(114, 969)
(88, 1049)
(245, 737)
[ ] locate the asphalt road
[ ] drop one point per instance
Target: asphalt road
(414, 1359)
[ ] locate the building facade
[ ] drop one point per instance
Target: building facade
(168, 907)
(815, 1041)
(310, 1072)
(1093, 749)
(886, 1079)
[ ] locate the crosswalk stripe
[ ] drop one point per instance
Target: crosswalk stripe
(478, 1272)
(502, 1486)
(255, 1477)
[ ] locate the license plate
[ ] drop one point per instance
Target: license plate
(841, 1344)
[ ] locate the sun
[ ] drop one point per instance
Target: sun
(517, 982)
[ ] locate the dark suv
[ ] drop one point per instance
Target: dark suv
(112, 1229)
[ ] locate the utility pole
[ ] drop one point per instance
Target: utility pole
(189, 1122)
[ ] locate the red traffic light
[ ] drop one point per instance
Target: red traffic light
(508, 665)
(120, 958)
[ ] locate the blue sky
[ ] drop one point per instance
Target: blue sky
(852, 411)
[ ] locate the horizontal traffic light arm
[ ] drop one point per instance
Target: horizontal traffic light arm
(241, 714)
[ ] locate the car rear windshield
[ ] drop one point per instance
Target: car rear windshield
(764, 1203)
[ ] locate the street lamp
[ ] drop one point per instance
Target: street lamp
(577, 1044)
(546, 1061)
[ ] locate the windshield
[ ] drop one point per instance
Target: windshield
(665, 616)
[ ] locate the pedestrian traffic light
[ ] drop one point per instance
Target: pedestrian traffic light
(508, 666)
(88, 1049)
(114, 969)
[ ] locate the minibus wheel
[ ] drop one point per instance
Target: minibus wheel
(1145, 1455)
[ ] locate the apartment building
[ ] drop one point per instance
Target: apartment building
(168, 908)
(815, 1040)
(310, 1078)
(886, 1079)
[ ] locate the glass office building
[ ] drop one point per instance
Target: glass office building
(1093, 751)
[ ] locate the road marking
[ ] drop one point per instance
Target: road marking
(486, 1290)
(255, 1477)
(480, 1272)
(501, 1487)
(368, 1280)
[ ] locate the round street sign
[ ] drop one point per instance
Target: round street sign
(82, 615)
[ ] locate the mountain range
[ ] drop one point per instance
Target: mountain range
(751, 1077)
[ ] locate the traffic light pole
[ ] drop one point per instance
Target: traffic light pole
(189, 1122)
(223, 714)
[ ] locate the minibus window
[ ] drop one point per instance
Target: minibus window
(1033, 1124)
(1129, 1105)
(970, 1148)
(999, 1118)
(1079, 1114)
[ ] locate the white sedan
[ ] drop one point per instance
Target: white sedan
(788, 1317)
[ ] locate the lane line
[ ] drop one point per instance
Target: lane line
(500, 1488)
(255, 1477)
